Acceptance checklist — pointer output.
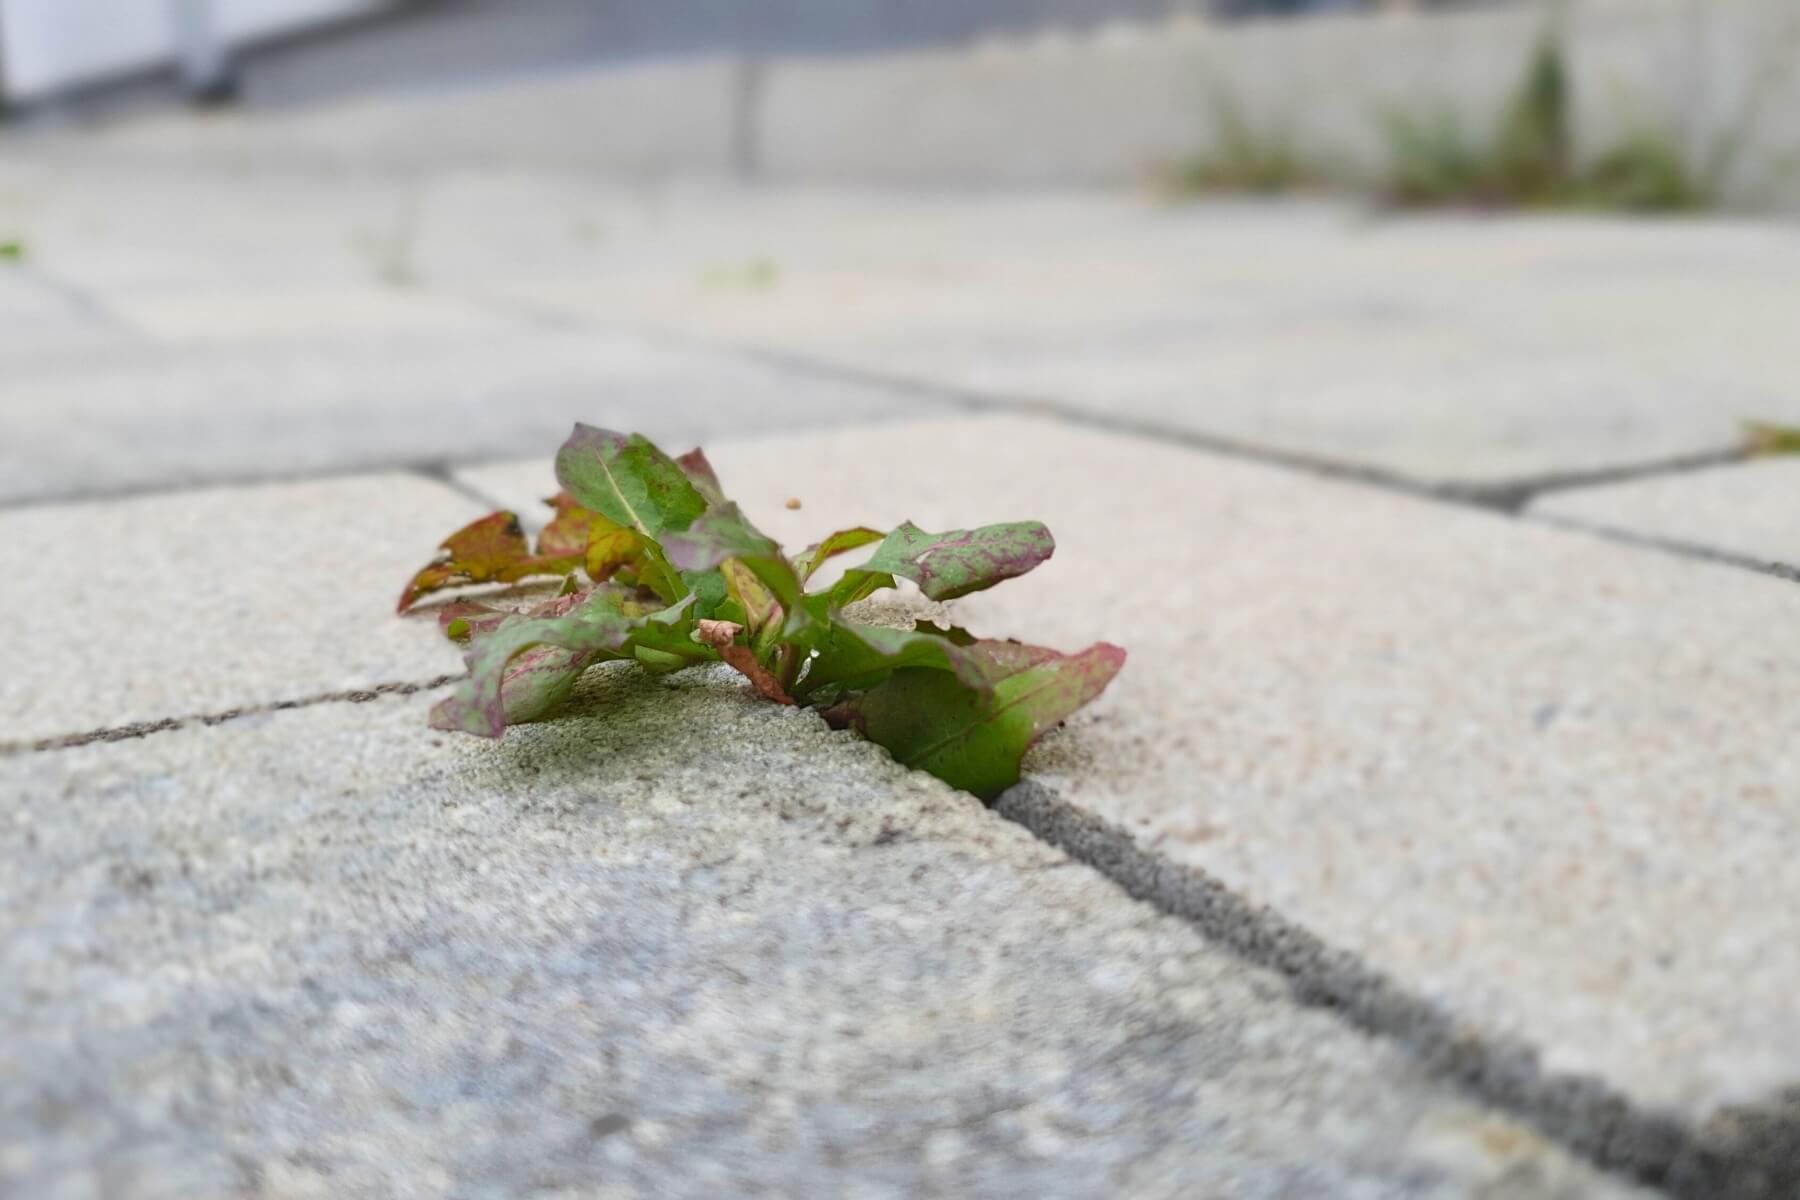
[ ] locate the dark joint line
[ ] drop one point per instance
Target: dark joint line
(1748, 1153)
(121, 733)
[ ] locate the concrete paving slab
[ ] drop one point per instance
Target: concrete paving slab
(1746, 510)
(111, 228)
(38, 315)
(259, 314)
(166, 416)
(191, 604)
(1449, 351)
(1539, 779)
(682, 943)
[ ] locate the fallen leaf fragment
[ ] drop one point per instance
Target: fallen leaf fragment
(717, 634)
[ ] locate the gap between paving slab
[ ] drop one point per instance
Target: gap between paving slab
(1533, 498)
(1742, 513)
(1775, 569)
(1749, 1151)
(439, 472)
(156, 416)
(1508, 495)
(123, 733)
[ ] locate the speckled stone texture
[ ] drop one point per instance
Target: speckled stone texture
(681, 943)
(1746, 510)
(85, 424)
(194, 603)
(1541, 780)
(39, 313)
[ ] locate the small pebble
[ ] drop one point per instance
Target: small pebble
(793, 503)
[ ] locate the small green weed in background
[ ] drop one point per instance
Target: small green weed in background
(1646, 172)
(1765, 440)
(1435, 161)
(1529, 161)
(1243, 158)
(1533, 150)
(12, 250)
(759, 274)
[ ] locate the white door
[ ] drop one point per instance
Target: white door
(49, 45)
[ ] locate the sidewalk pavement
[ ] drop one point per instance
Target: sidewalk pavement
(1437, 840)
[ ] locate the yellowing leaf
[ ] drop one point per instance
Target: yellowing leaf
(611, 548)
(569, 531)
(491, 550)
(757, 602)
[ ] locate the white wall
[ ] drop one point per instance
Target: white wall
(50, 44)
(1711, 73)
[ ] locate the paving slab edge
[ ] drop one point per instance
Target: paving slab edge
(1667, 545)
(1741, 1153)
(1511, 495)
(438, 471)
(138, 729)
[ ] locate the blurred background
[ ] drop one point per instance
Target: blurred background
(285, 51)
(1465, 245)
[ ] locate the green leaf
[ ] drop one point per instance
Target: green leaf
(973, 737)
(948, 565)
(708, 590)
(670, 632)
(724, 533)
(856, 585)
(599, 628)
(852, 657)
(628, 481)
(814, 556)
(538, 682)
(659, 662)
